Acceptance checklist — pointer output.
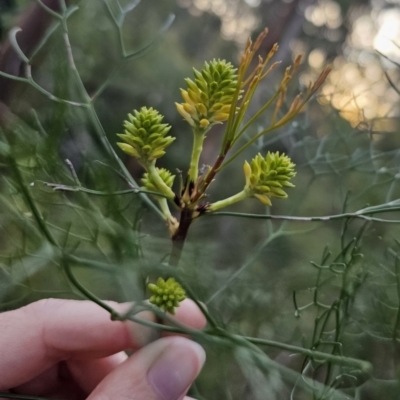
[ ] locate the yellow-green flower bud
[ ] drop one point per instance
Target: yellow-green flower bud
(164, 174)
(145, 137)
(167, 294)
(265, 177)
(208, 99)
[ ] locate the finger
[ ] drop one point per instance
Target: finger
(189, 314)
(39, 335)
(67, 379)
(163, 370)
(55, 382)
(89, 373)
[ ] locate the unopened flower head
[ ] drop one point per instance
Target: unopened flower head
(208, 99)
(167, 294)
(145, 137)
(164, 174)
(265, 177)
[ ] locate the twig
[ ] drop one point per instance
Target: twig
(364, 366)
(361, 214)
(66, 188)
(87, 293)
(249, 262)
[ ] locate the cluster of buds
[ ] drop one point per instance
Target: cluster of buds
(208, 99)
(265, 177)
(145, 136)
(160, 180)
(164, 174)
(166, 294)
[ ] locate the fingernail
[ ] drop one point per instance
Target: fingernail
(176, 369)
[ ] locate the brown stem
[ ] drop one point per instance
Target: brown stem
(179, 238)
(209, 177)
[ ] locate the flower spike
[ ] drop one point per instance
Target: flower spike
(167, 294)
(265, 177)
(164, 174)
(145, 137)
(208, 99)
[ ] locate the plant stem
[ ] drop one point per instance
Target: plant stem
(397, 323)
(66, 188)
(108, 148)
(253, 256)
(171, 221)
(155, 177)
(228, 201)
(87, 293)
(365, 366)
(179, 238)
(361, 214)
(256, 115)
(210, 176)
(31, 203)
(164, 208)
(277, 125)
(198, 139)
(94, 117)
(43, 227)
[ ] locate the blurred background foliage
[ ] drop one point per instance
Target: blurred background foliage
(254, 275)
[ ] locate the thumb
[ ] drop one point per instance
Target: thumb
(163, 370)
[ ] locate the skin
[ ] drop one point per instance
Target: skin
(68, 349)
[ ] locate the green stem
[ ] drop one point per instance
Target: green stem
(229, 131)
(87, 293)
(252, 258)
(256, 115)
(108, 147)
(229, 201)
(43, 227)
(397, 323)
(49, 10)
(164, 208)
(279, 124)
(66, 188)
(196, 152)
(365, 366)
(155, 177)
(31, 203)
(361, 214)
(94, 117)
(246, 340)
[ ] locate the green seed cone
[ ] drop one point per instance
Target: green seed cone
(166, 294)
(145, 136)
(165, 176)
(265, 177)
(208, 99)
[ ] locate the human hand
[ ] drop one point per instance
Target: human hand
(69, 349)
